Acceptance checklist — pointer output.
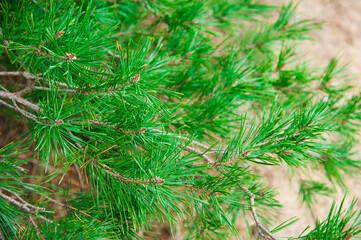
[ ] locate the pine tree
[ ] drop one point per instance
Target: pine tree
(164, 108)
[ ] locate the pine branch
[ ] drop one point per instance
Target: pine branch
(23, 74)
(24, 207)
(80, 177)
(18, 99)
(36, 228)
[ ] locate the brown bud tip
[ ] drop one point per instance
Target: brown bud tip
(288, 152)
(136, 78)
(246, 153)
(194, 21)
(59, 121)
(217, 194)
(6, 43)
(189, 54)
(349, 237)
(70, 57)
(142, 130)
(146, 66)
(59, 34)
(119, 46)
(188, 79)
(158, 181)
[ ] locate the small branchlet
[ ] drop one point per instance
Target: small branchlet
(203, 192)
(157, 180)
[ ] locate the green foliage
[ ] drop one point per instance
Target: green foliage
(164, 109)
(340, 224)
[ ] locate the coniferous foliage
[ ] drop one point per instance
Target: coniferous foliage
(164, 109)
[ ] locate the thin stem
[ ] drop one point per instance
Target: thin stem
(36, 228)
(252, 196)
(7, 105)
(76, 166)
(25, 113)
(17, 98)
(190, 149)
(24, 74)
(17, 167)
(37, 192)
(22, 200)
(263, 230)
(3, 88)
(24, 207)
(2, 237)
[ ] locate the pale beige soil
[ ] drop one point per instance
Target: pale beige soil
(340, 36)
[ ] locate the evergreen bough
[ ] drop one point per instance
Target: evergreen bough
(164, 109)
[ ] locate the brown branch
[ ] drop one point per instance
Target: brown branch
(36, 228)
(23, 201)
(80, 177)
(190, 149)
(24, 74)
(25, 113)
(17, 98)
(202, 191)
(24, 207)
(263, 230)
(15, 166)
(114, 174)
(8, 105)
(252, 196)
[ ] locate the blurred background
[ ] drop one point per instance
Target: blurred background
(340, 37)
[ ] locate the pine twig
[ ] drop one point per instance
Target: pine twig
(80, 177)
(36, 228)
(17, 167)
(25, 113)
(24, 207)
(17, 98)
(22, 200)
(24, 74)
(262, 229)
(190, 149)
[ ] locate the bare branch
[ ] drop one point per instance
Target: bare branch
(17, 98)
(76, 166)
(25, 113)
(8, 105)
(252, 196)
(24, 207)
(24, 74)
(190, 149)
(36, 228)
(263, 230)
(22, 200)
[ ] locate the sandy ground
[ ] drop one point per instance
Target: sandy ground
(340, 36)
